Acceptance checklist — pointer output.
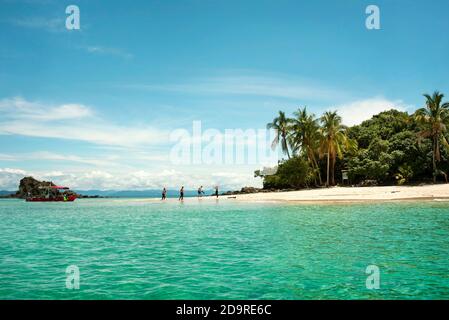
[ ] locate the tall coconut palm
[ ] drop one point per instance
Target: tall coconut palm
(281, 124)
(305, 137)
(434, 117)
(334, 140)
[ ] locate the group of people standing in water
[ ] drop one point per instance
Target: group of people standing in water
(181, 193)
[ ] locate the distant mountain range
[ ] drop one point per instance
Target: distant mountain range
(6, 193)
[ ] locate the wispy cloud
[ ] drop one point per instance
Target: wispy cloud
(105, 134)
(73, 122)
(42, 23)
(100, 50)
(250, 85)
(7, 157)
(108, 161)
(19, 108)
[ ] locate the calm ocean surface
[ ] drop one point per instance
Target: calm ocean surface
(132, 249)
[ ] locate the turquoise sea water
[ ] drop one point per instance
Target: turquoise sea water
(132, 249)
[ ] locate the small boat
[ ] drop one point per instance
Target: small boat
(49, 195)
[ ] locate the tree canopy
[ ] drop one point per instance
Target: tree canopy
(393, 147)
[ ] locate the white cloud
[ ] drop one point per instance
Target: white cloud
(19, 108)
(109, 51)
(9, 178)
(134, 179)
(73, 122)
(66, 111)
(43, 23)
(358, 111)
(50, 156)
(12, 171)
(7, 157)
(108, 161)
(251, 85)
(104, 134)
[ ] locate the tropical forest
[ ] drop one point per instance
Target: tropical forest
(391, 148)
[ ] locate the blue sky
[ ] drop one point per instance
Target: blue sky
(93, 108)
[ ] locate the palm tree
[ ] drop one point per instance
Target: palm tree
(334, 140)
(305, 137)
(281, 124)
(434, 117)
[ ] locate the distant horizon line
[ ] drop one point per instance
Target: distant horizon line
(129, 190)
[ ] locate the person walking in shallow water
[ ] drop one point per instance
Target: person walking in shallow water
(181, 194)
(216, 191)
(200, 192)
(164, 194)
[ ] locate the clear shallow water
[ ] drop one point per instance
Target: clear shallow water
(140, 250)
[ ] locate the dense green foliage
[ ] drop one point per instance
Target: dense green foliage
(389, 150)
(392, 147)
(294, 173)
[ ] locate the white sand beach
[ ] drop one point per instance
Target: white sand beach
(353, 194)
(438, 192)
